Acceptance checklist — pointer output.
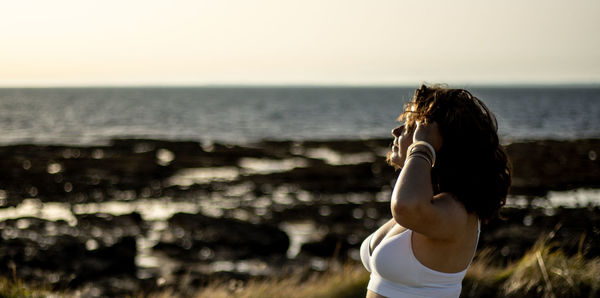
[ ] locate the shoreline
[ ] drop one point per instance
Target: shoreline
(104, 141)
(155, 214)
(150, 167)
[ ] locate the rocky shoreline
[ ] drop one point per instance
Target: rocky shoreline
(140, 215)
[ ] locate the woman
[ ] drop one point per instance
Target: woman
(454, 174)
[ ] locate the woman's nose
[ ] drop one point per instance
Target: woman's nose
(397, 131)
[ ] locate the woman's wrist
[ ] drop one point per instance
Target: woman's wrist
(423, 148)
(421, 156)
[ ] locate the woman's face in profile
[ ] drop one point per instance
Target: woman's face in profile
(403, 136)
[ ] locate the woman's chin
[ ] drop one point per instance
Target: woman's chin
(394, 159)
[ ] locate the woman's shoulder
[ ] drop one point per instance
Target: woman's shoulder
(444, 218)
(455, 209)
(450, 201)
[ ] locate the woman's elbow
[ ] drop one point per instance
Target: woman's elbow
(401, 211)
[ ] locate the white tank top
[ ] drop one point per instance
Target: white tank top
(396, 272)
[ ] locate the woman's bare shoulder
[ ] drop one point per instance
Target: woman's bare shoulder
(456, 210)
(444, 219)
(450, 202)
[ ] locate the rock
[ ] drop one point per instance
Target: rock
(201, 238)
(78, 174)
(116, 259)
(57, 253)
(540, 166)
(327, 178)
(332, 246)
(113, 226)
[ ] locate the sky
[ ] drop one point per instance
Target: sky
(308, 42)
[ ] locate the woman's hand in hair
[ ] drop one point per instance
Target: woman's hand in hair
(430, 133)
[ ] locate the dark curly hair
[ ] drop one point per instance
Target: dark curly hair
(471, 164)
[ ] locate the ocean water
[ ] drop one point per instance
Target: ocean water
(247, 114)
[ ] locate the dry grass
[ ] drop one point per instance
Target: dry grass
(546, 272)
(348, 281)
(16, 288)
(543, 271)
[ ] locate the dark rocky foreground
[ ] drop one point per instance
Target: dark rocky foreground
(241, 211)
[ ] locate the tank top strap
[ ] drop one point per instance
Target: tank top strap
(476, 242)
(478, 229)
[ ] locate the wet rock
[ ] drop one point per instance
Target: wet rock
(327, 178)
(141, 168)
(118, 258)
(351, 146)
(344, 225)
(57, 253)
(554, 165)
(75, 174)
(332, 246)
(202, 238)
(114, 226)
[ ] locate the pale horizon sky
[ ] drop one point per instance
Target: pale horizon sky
(270, 42)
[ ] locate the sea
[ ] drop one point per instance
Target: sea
(239, 115)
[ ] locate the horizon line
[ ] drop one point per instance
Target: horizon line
(530, 83)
